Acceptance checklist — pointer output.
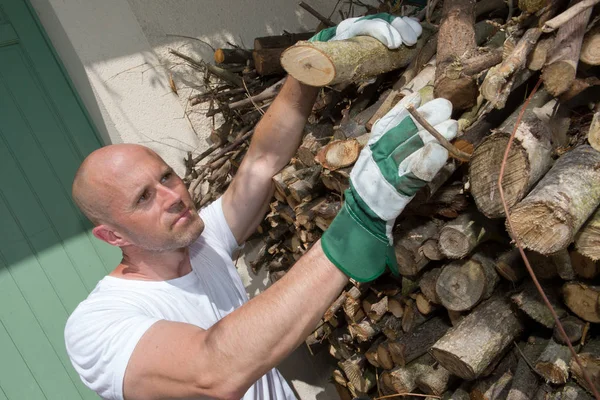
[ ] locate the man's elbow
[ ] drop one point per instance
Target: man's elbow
(223, 388)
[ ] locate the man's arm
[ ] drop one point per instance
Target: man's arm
(275, 140)
(176, 360)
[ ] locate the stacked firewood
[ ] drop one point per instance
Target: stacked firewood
(463, 319)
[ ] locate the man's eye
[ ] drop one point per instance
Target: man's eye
(166, 177)
(143, 198)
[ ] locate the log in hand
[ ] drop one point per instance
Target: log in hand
(399, 159)
(378, 43)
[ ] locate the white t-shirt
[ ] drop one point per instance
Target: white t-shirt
(104, 329)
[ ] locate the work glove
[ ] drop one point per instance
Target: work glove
(399, 159)
(390, 30)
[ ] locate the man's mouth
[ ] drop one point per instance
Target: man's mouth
(184, 215)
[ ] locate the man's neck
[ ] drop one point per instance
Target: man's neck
(138, 264)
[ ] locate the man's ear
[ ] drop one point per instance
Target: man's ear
(109, 236)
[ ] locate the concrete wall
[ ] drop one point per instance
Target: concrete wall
(116, 53)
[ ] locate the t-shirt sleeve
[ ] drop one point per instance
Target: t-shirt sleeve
(100, 339)
(217, 232)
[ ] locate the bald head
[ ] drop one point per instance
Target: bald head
(97, 179)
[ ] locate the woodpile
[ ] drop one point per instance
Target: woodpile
(463, 320)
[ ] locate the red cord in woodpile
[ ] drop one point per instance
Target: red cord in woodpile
(526, 261)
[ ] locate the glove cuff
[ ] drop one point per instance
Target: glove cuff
(355, 249)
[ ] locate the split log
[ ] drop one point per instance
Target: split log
(560, 70)
(540, 53)
(404, 379)
(392, 327)
(489, 330)
(424, 306)
(590, 49)
(464, 284)
(412, 317)
(340, 344)
(525, 382)
(351, 60)
(582, 300)
(412, 345)
(427, 284)
(407, 242)
(396, 305)
(353, 307)
(456, 41)
(354, 368)
(588, 238)
(530, 302)
(549, 217)
(377, 310)
(573, 327)
(509, 265)
(590, 360)
(495, 387)
(232, 56)
(528, 160)
(436, 381)
(583, 266)
(498, 79)
(553, 363)
(460, 236)
(363, 331)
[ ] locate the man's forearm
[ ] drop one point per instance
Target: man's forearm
(256, 337)
(278, 134)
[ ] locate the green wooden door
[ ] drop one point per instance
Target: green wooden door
(49, 261)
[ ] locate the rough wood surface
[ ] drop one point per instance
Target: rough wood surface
(530, 302)
(584, 266)
(343, 61)
(588, 238)
(590, 360)
(553, 363)
(460, 236)
(540, 53)
(412, 233)
(427, 284)
(549, 217)
(412, 345)
(468, 349)
(525, 382)
(509, 265)
(590, 49)
(573, 327)
(465, 283)
(456, 41)
(560, 70)
(495, 387)
(404, 379)
(436, 381)
(582, 300)
(528, 160)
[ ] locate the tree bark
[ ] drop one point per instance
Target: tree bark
(582, 300)
(412, 234)
(436, 382)
(464, 284)
(509, 265)
(495, 387)
(525, 382)
(560, 70)
(528, 160)
(427, 284)
(553, 363)
(273, 42)
(573, 327)
(547, 219)
(590, 360)
(410, 346)
(456, 42)
(540, 53)
(344, 61)
(530, 302)
(478, 340)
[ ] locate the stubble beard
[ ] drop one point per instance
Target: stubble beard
(175, 240)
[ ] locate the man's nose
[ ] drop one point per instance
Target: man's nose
(171, 198)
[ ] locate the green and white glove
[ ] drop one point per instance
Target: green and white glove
(399, 159)
(389, 29)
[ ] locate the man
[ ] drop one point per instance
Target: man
(172, 321)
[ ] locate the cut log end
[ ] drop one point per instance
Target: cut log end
(558, 77)
(461, 285)
(309, 65)
(449, 360)
(546, 230)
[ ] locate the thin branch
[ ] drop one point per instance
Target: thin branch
(454, 152)
(520, 247)
(251, 99)
(266, 94)
(193, 38)
(566, 16)
(316, 14)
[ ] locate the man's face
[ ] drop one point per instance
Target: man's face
(149, 205)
